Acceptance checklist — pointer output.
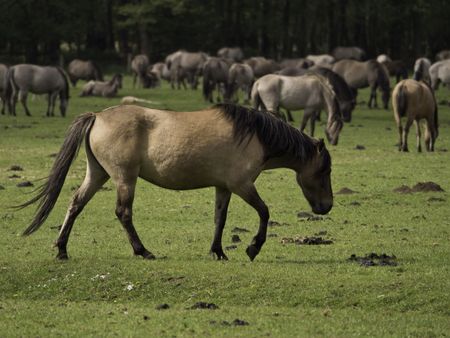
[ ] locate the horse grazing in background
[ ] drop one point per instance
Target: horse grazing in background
(365, 74)
(161, 70)
(415, 101)
(139, 66)
(25, 78)
(350, 53)
(226, 147)
(234, 54)
(262, 66)
(215, 76)
(322, 60)
(3, 72)
(440, 72)
(103, 88)
(83, 70)
(422, 70)
(396, 68)
(310, 92)
(240, 76)
(185, 65)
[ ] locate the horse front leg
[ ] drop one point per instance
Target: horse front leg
(249, 194)
(124, 211)
(23, 100)
(220, 217)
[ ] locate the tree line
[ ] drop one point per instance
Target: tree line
(44, 31)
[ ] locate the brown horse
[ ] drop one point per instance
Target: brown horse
(415, 101)
(225, 146)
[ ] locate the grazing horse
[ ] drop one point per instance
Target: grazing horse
(161, 70)
(365, 74)
(240, 76)
(225, 147)
(215, 76)
(139, 66)
(3, 72)
(440, 72)
(186, 65)
(352, 53)
(415, 101)
(396, 68)
(310, 92)
(24, 78)
(322, 60)
(262, 66)
(103, 88)
(422, 70)
(84, 70)
(234, 54)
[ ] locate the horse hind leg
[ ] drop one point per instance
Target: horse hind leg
(408, 124)
(23, 99)
(418, 135)
(220, 217)
(125, 197)
(94, 179)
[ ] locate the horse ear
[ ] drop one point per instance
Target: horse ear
(320, 145)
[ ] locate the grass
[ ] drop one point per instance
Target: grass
(290, 290)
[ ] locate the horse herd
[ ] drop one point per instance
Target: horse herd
(327, 82)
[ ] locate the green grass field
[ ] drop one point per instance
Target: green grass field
(290, 290)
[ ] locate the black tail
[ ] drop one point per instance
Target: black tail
(208, 85)
(49, 191)
(401, 102)
(64, 76)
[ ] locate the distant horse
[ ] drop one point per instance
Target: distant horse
(240, 76)
(84, 70)
(365, 74)
(397, 68)
(323, 60)
(231, 53)
(215, 76)
(383, 58)
(443, 55)
(139, 66)
(292, 71)
(296, 63)
(3, 72)
(186, 65)
(415, 101)
(103, 88)
(309, 92)
(352, 53)
(24, 78)
(225, 147)
(422, 70)
(262, 66)
(161, 70)
(440, 72)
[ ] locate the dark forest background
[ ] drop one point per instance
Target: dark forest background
(48, 31)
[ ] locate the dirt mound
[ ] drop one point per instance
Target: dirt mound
(359, 147)
(235, 239)
(204, 305)
(163, 306)
(25, 184)
(346, 191)
(15, 167)
(374, 259)
(237, 229)
(420, 187)
(313, 240)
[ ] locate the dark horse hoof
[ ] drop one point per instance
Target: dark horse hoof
(147, 255)
(252, 251)
(219, 255)
(62, 256)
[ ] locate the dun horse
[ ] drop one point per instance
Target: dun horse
(415, 101)
(309, 92)
(84, 70)
(225, 147)
(139, 66)
(24, 78)
(240, 76)
(105, 88)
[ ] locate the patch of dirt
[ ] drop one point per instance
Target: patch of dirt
(276, 224)
(313, 240)
(436, 199)
(56, 227)
(443, 150)
(360, 147)
(237, 229)
(20, 126)
(346, 191)
(235, 239)
(52, 155)
(231, 247)
(2, 187)
(15, 167)
(145, 317)
(374, 259)
(355, 203)
(306, 216)
(204, 306)
(388, 128)
(14, 176)
(303, 214)
(272, 235)
(420, 187)
(25, 184)
(163, 306)
(236, 322)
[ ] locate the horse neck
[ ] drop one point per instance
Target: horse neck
(329, 98)
(285, 161)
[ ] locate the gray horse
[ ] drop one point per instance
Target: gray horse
(3, 71)
(422, 70)
(103, 88)
(25, 78)
(396, 68)
(231, 53)
(365, 74)
(353, 53)
(215, 76)
(262, 66)
(311, 92)
(161, 70)
(186, 65)
(443, 55)
(322, 60)
(83, 70)
(240, 76)
(139, 66)
(440, 72)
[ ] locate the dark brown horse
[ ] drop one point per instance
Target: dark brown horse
(225, 147)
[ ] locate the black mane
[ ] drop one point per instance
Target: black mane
(276, 136)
